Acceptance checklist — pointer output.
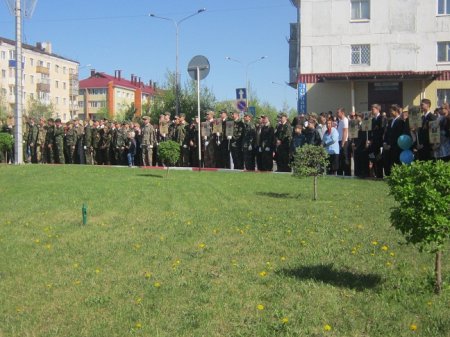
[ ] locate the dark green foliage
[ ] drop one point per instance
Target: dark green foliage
(169, 152)
(6, 142)
(310, 160)
(422, 214)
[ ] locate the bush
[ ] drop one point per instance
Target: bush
(169, 152)
(422, 214)
(310, 160)
(6, 144)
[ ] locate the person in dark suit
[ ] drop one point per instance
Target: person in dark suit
(223, 151)
(360, 151)
(394, 129)
(424, 148)
(376, 141)
(265, 144)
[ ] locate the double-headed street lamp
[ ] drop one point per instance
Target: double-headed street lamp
(177, 23)
(247, 65)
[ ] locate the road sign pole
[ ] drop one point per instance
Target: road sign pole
(198, 116)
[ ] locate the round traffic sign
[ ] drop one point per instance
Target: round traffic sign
(241, 105)
(199, 64)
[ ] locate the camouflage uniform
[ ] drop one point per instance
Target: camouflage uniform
(49, 141)
(59, 144)
(32, 137)
(71, 142)
(40, 144)
(147, 142)
(87, 144)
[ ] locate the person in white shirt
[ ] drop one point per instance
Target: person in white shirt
(344, 159)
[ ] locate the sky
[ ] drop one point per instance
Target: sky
(107, 35)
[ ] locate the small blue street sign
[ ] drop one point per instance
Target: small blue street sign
(241, 105)
(252, 110)
(241, 93)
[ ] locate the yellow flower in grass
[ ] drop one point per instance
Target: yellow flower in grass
(285, 320)
(375, 243)
(138, 325)
(260, 307)
(37, 241)
(201, 245)
(138, 300)
(263, 273)
(413, 327)
(75, 265)
(388, 264)
(157, 285)
(48, 246)
(147, 274)
(97, 271)
(77, 282)
(392, 254)
(283, 258)
(327, 327)
(384, 248)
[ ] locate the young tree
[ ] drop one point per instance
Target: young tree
(310, 160)
(37, 109)
(169, 153)
(422, 213)
(6, 144)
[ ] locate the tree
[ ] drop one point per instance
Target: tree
(169, 152)
(422, 213)
(37, 109)
(6, 144)
(310, 160)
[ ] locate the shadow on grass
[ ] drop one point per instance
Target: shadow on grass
(149, 175)
(277, 195)
(339, 278)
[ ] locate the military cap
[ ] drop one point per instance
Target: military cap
(182, 115)
(145, 117)
(167, 113)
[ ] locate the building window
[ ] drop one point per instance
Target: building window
(64, 70)
(64, 85)
(3, 55)
(56, 68)
(360, 9)
(12, 54)
(361, 54)
(3, 73)
(31, 62)
(57, 84)
(443, 7)
(443, 51)
(443, 96)
(57, 100)
(32, 79)
(64, 101)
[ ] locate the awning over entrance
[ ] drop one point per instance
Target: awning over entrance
(378, 75)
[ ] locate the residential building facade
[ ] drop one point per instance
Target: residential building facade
(358, 52)
(47, 78)
(112, 94)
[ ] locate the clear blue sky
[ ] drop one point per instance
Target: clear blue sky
(118, 34)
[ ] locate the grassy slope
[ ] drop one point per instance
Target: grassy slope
(194, 254)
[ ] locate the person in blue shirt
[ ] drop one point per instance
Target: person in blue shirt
(330, 142)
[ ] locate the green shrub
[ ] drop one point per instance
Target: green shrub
(169, 152)
(422, 215)
(6, 144)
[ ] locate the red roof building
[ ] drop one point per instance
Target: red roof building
(114, 94)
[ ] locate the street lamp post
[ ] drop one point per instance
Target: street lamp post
(247, 65)
(177, 23)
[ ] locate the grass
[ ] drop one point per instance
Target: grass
(207, 254)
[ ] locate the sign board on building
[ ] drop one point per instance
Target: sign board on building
(302, 102)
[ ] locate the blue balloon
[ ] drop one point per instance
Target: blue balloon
(406, 157)
(404, 142)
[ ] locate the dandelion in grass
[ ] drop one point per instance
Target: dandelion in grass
(157, 285)
(37, 241)
(138, 325)
(388, 264)
(392, 254)
(215, 231)
(429, 303)
(413, 327)
(375, 243)
(263, 273)
(360, 227)
(98, 271)
(260, 307)
(75, 265)
(303, 242)
(77, 282)
(48, 246)
(176, 263)
(147, 275)
(49, 285)
(384, 248)
(283, 258)
(189, 222)
(19, 310)
(327, 327)
(201, 245)
(138, 300)
(234, 263)
(285, 320)
(136, 246)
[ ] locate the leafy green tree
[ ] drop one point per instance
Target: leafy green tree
(102, 113)
(169, 152)
(3, 107)
(6, 144)
(422, 213)
(37, 109)
(310, 160)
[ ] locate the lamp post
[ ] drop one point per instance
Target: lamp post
(247, 65)
(177, 23)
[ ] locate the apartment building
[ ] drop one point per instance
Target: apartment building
(354, 53)
(113, 94)
(47, 78)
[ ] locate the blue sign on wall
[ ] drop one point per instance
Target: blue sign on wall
(302, 101)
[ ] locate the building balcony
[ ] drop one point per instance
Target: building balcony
(43, 87)
(43, 70)
(73, 77)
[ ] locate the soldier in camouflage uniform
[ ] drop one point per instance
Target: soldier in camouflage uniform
(105, 146)
(283, 137)
(40, 142)
(249, 142)
(87, 144)
(147, 142)
(182, 138)
(96, 136)
(49, 141)
(58, 141)
(119, 144)
(71, 142)
(236, 142)
(32, 136)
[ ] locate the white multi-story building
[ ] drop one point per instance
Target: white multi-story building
(354, 53)
(47, 77)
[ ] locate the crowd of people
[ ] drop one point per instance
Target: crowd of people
(362, 144)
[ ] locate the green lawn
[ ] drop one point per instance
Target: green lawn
(207, 254)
